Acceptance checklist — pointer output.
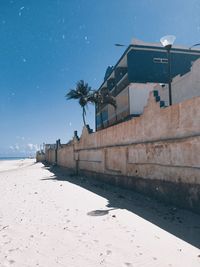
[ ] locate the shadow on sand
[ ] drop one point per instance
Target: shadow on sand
(179, 222)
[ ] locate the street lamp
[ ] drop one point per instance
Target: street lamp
(194, 45)
(167, 41)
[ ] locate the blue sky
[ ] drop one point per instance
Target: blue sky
(47, 46)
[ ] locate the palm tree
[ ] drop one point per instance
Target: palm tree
(100, 98)
(81, 93)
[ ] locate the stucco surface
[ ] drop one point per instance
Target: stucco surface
(65, 156)
(183, 87)
(162, 145)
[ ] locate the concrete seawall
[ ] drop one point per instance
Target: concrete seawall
(157, 153)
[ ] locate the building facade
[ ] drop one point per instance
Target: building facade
(139, 70)
(183, 87)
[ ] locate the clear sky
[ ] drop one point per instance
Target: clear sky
(46, 46)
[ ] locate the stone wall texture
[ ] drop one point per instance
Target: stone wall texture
(157, 153)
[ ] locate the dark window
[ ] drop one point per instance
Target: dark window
(160, 60)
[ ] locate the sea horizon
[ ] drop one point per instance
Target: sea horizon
(13, 158)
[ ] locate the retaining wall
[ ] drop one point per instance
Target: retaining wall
(157, 153)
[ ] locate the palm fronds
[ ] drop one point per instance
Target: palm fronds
(80, 93)
(84, 94)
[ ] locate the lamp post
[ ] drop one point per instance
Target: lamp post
(193, 46)
(167, 41)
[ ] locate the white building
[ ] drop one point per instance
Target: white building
(183, 87)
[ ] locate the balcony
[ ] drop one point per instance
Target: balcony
(121, 85)
(110, 84)
(119, 73)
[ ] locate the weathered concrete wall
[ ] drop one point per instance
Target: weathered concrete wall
(180, 120)
(40, 157)
(50, 155)
(65, 156)
(138, 95)
(157, 153)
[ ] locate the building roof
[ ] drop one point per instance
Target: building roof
(141, 45)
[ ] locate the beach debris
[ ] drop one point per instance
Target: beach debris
(98, 212)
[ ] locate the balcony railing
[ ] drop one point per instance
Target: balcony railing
(121, 85)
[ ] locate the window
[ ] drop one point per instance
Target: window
(160, 60)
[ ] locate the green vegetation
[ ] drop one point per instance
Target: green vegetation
(80, 93)
(84, 94)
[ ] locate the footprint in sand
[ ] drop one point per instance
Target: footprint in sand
(11, 261)
(8, 242)
(102, 261)
(8, 263)
(4, 227)
(108, 252)
(128, 264)
(12, 249)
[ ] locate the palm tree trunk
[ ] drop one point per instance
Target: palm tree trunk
(83, 114)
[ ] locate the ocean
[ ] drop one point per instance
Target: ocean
(12, 158)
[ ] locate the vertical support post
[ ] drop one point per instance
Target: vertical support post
(169, 76)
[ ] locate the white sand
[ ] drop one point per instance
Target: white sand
(45, 222)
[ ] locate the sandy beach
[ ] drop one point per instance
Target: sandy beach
(50, 219)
